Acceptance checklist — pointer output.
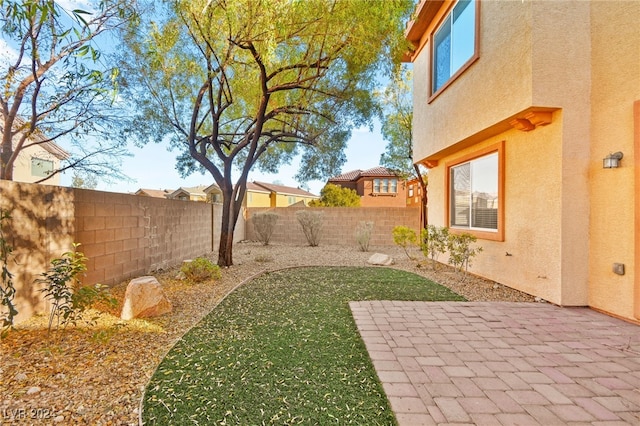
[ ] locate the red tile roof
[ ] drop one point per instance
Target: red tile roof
(354, 175)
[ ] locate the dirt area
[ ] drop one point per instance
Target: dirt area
(96, 374)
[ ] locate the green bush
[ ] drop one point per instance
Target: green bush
(433, 242)
(264, 223)
(69, 298)
(200, 269)
(404, 237)
(8, 310)
(461, 252)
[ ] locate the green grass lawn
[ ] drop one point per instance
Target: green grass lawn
(283, 349)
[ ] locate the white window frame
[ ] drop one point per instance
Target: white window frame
(496, 234)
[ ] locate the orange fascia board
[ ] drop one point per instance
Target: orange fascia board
(425, 12)
(497, 128)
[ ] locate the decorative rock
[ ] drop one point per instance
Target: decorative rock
(20, 377)
(144, 298)
(32, 390)
(380, 259)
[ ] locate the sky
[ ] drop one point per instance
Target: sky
(153, 166)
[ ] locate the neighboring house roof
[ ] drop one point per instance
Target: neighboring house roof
(213, 188)
(282, 189)
(197, 191)
(156, 193)
(355, 175)
(39, 139)
(257, 188)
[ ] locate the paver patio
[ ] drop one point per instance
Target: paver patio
(493, 363)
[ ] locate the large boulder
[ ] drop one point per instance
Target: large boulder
(380, 259)
(144, 298)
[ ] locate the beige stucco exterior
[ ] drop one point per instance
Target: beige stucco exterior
(261, 194)
(555, 82)
(22, 171)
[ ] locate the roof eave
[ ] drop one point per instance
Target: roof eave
(424, 14)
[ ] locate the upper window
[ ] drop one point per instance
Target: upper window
(385, 186)
(454, 43)
(475, 195)
(40, 167)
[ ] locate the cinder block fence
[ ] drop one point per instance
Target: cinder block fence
(339, 224)
(123, 235)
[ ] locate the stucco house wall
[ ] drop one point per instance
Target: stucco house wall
(571, 64)
(615, 126)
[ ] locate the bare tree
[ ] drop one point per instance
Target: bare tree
(56, 85)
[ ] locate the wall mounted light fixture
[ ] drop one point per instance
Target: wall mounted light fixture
(612, 161)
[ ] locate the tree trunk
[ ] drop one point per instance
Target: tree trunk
(231, 208)
(424, 198)
(225, 250)
(6, 151)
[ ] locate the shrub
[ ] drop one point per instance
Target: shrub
(363, 235)
(264, 223)
(69, 298)
(200, 269)
(8, 310)
(433, 242)
(311, 222)
(404, 237)
(461, 252)
(333, 195)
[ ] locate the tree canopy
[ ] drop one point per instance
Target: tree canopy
(55, 84)
(238, 84)
(396, 117)
(336, 196)
(397, 130)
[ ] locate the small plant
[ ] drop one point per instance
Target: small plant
(311, 223)
(7, 288)
(263, 258)
(461, 252)
(200, 269)
(363, 235)
(433, 242)
(264, 223)
(70, 300)
(404, 237)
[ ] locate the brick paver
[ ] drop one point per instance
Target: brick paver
(502, 363)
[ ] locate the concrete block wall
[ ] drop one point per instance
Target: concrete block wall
(339, 224)
(41, 228)
(123, 236)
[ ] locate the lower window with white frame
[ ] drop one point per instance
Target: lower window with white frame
(473, 193)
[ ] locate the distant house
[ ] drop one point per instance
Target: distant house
(155, 193)
(39, 160)
(261, 194)
(377, 187)
(194, 193)
(214, 193)
(414, 193)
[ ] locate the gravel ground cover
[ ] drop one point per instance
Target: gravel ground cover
(96, 374)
